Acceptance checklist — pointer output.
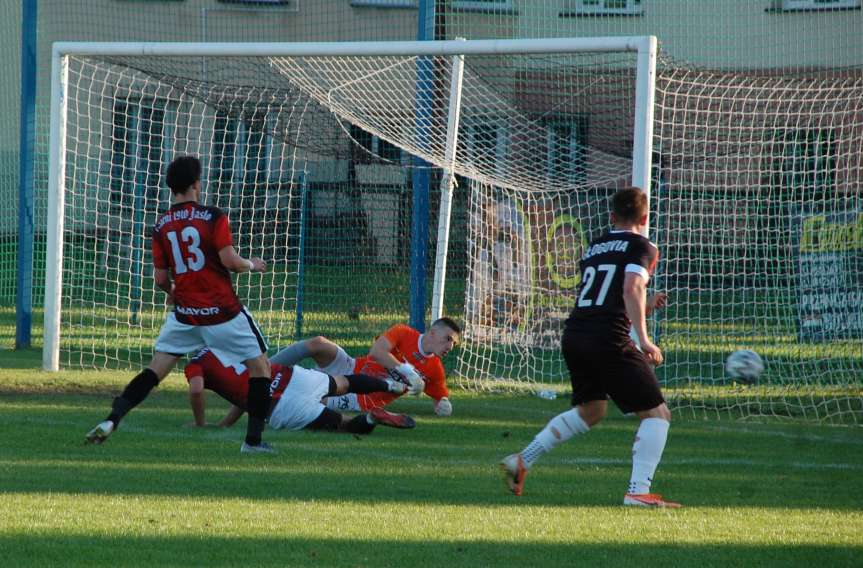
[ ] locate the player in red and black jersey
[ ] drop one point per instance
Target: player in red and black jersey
(602, 359)
(296, 396)
(193, 256)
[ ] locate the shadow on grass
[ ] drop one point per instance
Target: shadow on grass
(223, 551)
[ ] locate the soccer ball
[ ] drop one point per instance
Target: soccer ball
(744, 365)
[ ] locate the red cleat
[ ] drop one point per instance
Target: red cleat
(649, 500)
(384, 418)
(514, 472)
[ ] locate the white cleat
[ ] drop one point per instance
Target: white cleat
(396, 387)
(262, 448)
(100, 433)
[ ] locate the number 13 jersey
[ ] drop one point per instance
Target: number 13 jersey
(599, 307)
(187, 240)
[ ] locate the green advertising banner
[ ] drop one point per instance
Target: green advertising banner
(830, 265)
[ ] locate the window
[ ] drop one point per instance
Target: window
(281, 5)
(242, 154)
(484, 144)
(276, 2)
(567, 149)
(483, 5)
(384, 3)
(374, 146)
(792, 5)
(806, 161)
(622, 7)
(137, 151)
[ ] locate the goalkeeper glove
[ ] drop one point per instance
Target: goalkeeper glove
(407, 374)
(443, 407)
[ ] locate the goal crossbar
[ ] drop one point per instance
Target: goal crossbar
(330, 49)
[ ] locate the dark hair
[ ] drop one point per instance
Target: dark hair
(182, 173)
(449, 322)
(629, 205)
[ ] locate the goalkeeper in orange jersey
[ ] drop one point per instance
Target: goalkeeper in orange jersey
(401, 352)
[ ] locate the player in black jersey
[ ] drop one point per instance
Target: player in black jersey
(602, 359)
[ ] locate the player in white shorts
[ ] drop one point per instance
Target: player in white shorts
(296, 393)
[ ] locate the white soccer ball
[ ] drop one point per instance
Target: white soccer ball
(744, 365)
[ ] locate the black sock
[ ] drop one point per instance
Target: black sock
(134, 393)
(359, 425)
(333, 389)
(259, 407)
(328, 420)
(363, 384)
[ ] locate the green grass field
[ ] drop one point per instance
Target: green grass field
(160, 494)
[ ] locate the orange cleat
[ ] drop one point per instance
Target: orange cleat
(514, 472)
(649, 500)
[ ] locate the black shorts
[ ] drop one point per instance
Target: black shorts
(600, 368)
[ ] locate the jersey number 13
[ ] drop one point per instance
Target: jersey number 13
(194, 259)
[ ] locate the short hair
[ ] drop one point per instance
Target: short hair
(629, 204)
(182, 173)
(447, 322)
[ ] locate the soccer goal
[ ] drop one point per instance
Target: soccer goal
(310, 149)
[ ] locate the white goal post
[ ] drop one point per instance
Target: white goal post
(442, 152)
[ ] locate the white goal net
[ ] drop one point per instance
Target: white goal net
(310, 156)
(756, 185)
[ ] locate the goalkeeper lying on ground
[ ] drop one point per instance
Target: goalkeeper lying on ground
(296, 396)
(401, 352)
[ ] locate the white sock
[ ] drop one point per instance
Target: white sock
(346, 402)
(558, 430)
(646, 453)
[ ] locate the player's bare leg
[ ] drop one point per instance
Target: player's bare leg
(135, 392)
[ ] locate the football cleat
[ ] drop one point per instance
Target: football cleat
(384, 418)
(396, 387)
(648, 500)
(100, 433)
(262, 448)
(514, 472)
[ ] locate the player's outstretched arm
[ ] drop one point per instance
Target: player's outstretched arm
(380, 352)
(236, 263)
(196, 400)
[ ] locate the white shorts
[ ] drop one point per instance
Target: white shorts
(343, 364)
(233, 341)
(301, 403)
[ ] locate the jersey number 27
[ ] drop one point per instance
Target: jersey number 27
(589, 278)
